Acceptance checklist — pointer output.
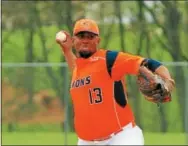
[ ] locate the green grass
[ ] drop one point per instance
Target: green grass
(31, 138)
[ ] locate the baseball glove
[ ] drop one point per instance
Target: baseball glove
(152, 86)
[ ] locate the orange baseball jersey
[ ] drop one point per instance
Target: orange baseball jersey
(99, 94)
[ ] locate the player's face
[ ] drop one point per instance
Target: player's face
(86, 44)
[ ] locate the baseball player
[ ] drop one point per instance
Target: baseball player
(102, 114)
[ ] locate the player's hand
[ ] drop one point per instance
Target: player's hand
(67, 44)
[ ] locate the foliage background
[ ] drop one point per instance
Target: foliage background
(33, 98)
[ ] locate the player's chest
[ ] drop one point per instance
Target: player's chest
(92, 74)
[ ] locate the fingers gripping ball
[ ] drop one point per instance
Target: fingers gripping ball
(61, 37)
(152, 86)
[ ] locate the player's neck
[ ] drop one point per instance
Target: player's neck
(85, 55)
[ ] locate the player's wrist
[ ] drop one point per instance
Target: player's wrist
(66, 50)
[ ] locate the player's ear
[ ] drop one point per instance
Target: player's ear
(98, 40)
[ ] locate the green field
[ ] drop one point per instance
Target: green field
(31, 138)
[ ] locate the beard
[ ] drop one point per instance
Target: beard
(85, 54)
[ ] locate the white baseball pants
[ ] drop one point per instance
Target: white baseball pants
(129, 136)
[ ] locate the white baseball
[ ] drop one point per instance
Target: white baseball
(61, 36)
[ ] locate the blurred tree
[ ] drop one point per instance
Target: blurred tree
(154, 28)
(172, 26)
(185, 30)
(54, 80)
(142, 32)
(106, 29)
(171, 31)
(16, 21)
(29, 57)
(118, 13)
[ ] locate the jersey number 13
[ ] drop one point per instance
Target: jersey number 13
(95, 95)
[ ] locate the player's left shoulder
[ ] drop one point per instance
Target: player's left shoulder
(101, 52)
(100, 55)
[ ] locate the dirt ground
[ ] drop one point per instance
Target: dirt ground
(47, 108)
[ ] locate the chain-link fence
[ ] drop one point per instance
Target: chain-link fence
(35, 97)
